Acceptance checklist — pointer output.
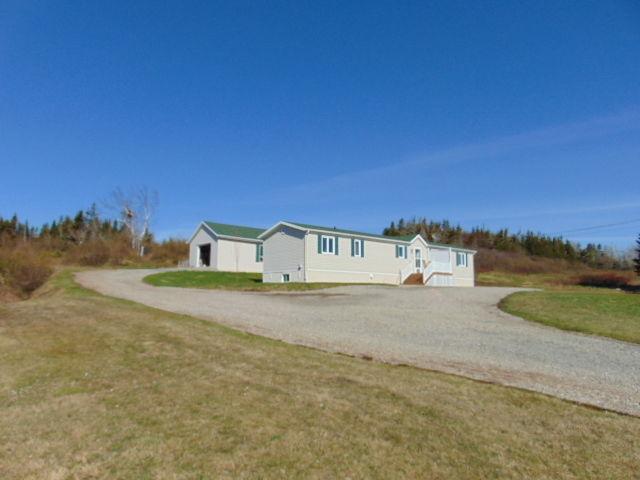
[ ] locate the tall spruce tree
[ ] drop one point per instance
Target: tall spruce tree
(636, 260)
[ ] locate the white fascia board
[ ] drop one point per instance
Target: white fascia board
(452, 247)
(211, 231)
(205, 227)
(273, 228)
(354, 235)
(419, 237)
(240, 239)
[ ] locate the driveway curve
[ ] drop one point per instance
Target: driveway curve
(452, 330)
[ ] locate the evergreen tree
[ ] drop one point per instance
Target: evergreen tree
(636, 261)
(528, 242)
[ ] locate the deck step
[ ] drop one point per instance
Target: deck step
(414, 279)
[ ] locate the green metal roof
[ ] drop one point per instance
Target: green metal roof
(235, 230)
(402, 238)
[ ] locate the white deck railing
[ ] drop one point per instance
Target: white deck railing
(442, 267)
(427, 272)
(428, 269)
(433, 268)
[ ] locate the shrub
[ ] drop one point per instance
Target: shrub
(603, 280)
(169, 252)
(120, 251)
(24, 269)
(93, 253)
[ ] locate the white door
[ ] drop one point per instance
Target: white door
(417, 254)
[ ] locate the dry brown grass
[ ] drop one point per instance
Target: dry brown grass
(605, 280)
(27, 265)
(92, 387)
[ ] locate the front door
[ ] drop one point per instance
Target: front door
(418, 260)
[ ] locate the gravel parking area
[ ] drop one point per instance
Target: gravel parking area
(453, 330)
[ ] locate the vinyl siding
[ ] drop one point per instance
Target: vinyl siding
(460, 276)
(226, 255)
(463, 276)
(237, 256)
(379, 264)
(200, 238)
(284, 253)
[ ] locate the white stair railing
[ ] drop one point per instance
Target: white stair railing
(405, 271)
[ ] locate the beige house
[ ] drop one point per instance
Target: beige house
(224, 247)
(296, 252)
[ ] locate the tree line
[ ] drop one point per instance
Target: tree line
(29, 255)
(74, 230)
(529, 242)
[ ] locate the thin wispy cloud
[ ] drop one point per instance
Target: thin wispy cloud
(552, 136)
(554, 212)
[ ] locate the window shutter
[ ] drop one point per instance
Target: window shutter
(397, 251)
(353, 247)
(257, 252)
(405, 251)
(336, 245)
(319, 243)
(362, 248)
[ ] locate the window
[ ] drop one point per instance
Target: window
(328, 244)
(461, 259)
(356, 248)
(259, 252)
(285, 277)
(401, 251)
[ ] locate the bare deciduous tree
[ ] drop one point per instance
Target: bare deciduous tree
(136, 209)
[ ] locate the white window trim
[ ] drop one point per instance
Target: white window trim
(331, 240)
(286, 278)
(402, 251)
(462, 259)
(357, 252)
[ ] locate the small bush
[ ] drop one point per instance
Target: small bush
(603, 280)
(169, 252)
(121, 252)
(94, 253)
(24, 269)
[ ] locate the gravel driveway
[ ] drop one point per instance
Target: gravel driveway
(453, 330)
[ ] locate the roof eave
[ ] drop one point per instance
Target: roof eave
(201, 225)
(347, 234)
(204, 225)
(243, 239)
(274, 227)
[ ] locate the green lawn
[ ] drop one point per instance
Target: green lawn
(610, 313)
(598, 311)
(95, 387)
(228, 281)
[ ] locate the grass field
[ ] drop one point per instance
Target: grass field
(604, 312)
(227, 281)
(93, 387)
(599, 311)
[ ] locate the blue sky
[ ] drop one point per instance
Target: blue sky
(338, 113)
